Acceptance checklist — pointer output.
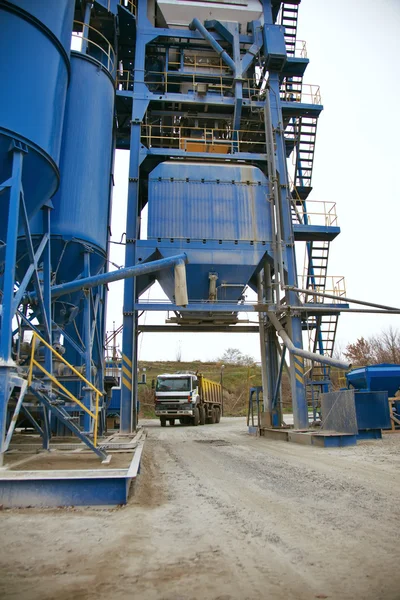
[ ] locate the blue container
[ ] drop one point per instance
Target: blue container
(372, 410)
(382, 377)
(34, 63)
(219, 215)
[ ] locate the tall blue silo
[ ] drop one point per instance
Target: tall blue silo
(34, 66)
(81, 214)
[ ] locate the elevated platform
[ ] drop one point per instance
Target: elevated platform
(69, 475)
(310, 437)
(318, 233)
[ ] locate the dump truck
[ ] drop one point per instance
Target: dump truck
(189, 397)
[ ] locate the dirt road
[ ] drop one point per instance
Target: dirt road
(220, 515)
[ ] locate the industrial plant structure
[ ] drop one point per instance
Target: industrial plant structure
(208, 97)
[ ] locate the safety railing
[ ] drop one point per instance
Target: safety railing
(34, 363)
(306, 93)
(195, 62)
(203, 139)
(300, 50)
(314, 212)
(332, 284)
(129, 5)
(163, 82)
(89, 41)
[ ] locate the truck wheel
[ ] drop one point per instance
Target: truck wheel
(163, 422)
(196, 417)
(217, 414)
(172, 422)
(202, 415)
(212, 416)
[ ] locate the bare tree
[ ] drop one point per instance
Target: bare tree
(382, 348)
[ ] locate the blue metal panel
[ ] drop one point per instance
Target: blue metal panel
(34, 70)
(233, 263)
(83, 491)
(115, 403)
(372, 410)
(208, 201)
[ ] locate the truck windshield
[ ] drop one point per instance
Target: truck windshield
(173, 384)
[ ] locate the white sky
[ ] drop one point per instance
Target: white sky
(353, 47)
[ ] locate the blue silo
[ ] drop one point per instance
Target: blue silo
(81, 213)
(34, 65)
(80, 218)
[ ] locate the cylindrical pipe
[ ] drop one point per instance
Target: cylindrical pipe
(341, 298)
(261, 318)
(334, 310)
(195, 24)
(181, 295)
(104, 278)
(326, 360)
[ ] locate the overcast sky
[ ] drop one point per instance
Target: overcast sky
(353, 47)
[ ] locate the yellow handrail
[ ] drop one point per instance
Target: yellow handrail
(107, 52)
(33, 362)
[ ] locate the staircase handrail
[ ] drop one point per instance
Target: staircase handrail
(33, 362)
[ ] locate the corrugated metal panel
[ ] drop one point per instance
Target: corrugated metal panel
(181, 205)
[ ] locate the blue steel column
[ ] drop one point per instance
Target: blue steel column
(87, 321)
(299, 400)
(14, 186)
(128, 417)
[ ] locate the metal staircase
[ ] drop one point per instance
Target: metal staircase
(51, 402)
(322, 328)
(305, 150)
(288, 18)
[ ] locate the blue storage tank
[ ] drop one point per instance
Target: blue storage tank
(34, 64)
(80, 219)
(219, 215)
(82, 204)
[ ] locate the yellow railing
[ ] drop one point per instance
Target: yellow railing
(205, 139)
(101, 49)
(333, 284)
(309, 94)
(33, 362)
(129, 5)
(300, 49)
(161, 82)
(315, 212)
(201, 61)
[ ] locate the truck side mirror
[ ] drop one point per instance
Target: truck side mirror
(153, 384)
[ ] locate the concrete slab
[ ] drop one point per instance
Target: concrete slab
(70, 478)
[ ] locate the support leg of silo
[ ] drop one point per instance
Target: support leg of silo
(13, 187)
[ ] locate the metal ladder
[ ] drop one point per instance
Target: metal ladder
(289, 18)
(305, 150)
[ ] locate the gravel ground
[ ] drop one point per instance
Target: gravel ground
(220, 515)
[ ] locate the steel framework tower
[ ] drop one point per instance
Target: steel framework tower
(211, 87)
(209, 99)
